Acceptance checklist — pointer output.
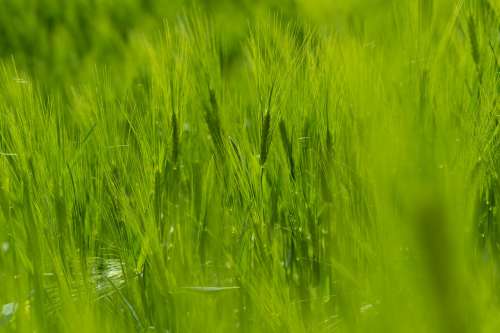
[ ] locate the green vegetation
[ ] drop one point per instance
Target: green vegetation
(253, 166)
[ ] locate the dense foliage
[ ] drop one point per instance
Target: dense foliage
(253, 166)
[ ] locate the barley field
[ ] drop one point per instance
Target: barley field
(249, 166)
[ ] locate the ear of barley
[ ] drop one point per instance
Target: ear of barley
(474, 41)
(212, 118)
(265, 137)
(287, 146)
(175, 138)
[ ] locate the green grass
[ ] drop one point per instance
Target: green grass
(249, 166)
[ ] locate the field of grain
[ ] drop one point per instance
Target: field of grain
(250, 166)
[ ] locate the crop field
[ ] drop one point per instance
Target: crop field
(250, 166)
